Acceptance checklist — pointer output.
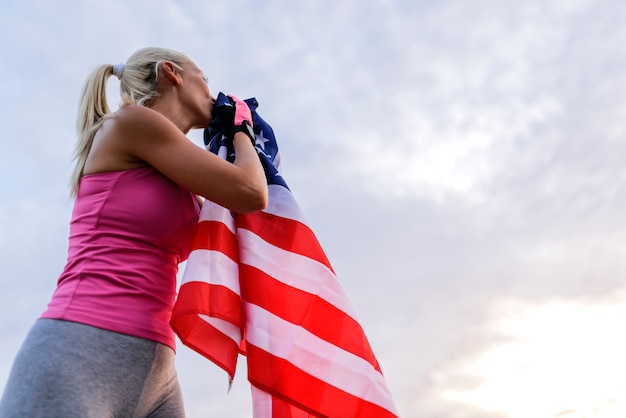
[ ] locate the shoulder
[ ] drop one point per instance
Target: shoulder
(118, 142)
(133, 116)
(136, 126)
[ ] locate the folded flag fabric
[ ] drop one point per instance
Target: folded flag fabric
(261, 285)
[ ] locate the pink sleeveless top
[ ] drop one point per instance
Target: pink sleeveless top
(129, 231)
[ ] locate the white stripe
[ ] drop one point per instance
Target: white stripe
(316, 357)
(293, 269)
(230, 330)
(213, 267)
(282, 203)
(261, 403)
(213, 212)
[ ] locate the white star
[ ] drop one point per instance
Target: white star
(261, 140)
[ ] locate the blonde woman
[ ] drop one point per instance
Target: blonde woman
(104, 346)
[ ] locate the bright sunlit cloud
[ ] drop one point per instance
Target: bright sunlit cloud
(566, 360)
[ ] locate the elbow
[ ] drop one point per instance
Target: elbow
(264, 199)
(256, 200)
(257, 203)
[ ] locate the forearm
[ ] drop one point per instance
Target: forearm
(247, 160)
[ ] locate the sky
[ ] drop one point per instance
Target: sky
(462, 164)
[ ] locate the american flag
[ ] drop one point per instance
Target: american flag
(261, 285)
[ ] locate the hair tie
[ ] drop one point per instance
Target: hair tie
(117, 70)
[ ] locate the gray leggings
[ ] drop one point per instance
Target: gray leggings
(70, 370)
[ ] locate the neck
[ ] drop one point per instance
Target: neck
(178, 121)
(164, 107)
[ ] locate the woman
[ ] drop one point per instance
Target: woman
(104, 346)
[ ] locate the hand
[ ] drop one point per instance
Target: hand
(230, 115)
(242, 119)
(242, 111)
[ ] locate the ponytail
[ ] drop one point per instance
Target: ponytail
(93, 110)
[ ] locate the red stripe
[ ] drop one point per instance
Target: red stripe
(214, 235)
(209, 299)
(285, 381)
(208, 342)
(285, 233)
(282, 409)
(196, 298)
(310, 311)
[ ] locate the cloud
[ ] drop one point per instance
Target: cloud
(564, 355)
(448, 155)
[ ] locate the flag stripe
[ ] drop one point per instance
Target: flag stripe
(266, 405)
(215, 235)
(293, 269)
(225, 327)
(282, 203)
(282, 379)
(312, 356)
(211, 211)
(284, 233)
(200, 335)
(282, 409)
(261, 403)
(209, 299)
(213, 267)
(198, 298)
(270, 294)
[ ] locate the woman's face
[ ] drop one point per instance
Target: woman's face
(196, 95)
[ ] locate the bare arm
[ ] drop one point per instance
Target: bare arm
(148, 136)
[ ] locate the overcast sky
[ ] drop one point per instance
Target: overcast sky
(462, 163)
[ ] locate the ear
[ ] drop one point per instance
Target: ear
(171, 73)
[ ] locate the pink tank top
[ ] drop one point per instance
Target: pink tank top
(129, 231)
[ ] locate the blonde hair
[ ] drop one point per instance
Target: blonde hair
(138, 85)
